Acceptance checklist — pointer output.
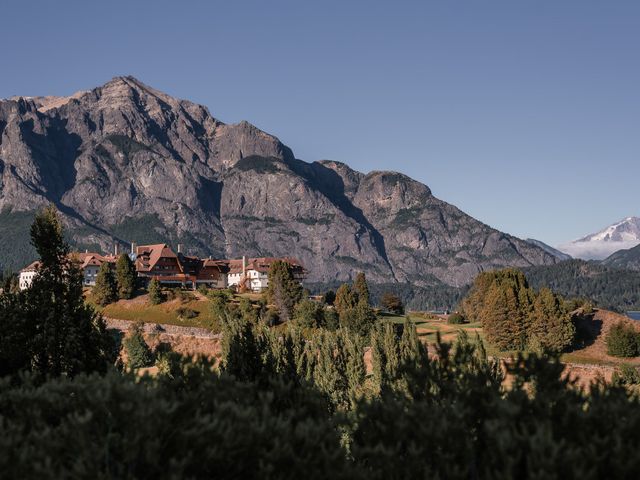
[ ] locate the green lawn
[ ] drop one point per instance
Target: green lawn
(165, 313)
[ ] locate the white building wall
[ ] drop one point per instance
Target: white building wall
(25, 279)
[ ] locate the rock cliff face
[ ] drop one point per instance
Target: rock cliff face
(126, 163)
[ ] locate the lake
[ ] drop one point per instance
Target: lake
(634, 315)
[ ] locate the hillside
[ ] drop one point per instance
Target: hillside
(126, 163)
(610, 288)
(629, 259)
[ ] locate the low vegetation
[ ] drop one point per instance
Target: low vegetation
(623, 340)
(289, 402)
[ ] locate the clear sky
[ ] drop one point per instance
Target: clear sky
(524, 114)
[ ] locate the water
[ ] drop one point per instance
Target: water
(634, 315)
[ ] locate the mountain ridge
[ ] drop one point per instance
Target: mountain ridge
(125, 162)
(621, 235)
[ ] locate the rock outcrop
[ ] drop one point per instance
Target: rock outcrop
(127, 163)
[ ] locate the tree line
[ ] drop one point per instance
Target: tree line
(516, 317)
(288, 403)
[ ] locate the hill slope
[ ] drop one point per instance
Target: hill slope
(610, 288)
(125, 162)
(629, 259)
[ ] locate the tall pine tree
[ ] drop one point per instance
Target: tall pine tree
(283, 290)
(105, 291)
(125, 276)
(69, 337)
(361, 288)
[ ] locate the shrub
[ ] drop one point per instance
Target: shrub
(187, 313)
(622, 340)
(272, 317)
(456, 319)
(627, 375)
(392, 303)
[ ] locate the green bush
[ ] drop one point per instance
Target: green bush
(187, 313)
(626, 375)
(622, 340)
(456, 318)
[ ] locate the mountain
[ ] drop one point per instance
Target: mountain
(127, 163)
(549, 249)
(611, 288)
(628, 259)
(622, 235)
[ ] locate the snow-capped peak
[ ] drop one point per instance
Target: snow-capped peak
(597, 246)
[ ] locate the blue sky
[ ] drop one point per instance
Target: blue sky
(523, 114)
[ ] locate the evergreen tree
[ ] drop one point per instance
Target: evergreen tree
(125, 276)
(355, 366)
(361, 288)
(138, 352)
(284, 291)
(330, 372)
(62, 335)
(105, 291)
(156, 295)
(498, 319)
(622, 340)
(329, 297)
(345, 299)
(359, 319)
(551, 324)
(309, 314)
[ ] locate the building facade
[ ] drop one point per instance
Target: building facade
(173, 269)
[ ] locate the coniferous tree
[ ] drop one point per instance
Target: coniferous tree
(64, 335)
(138, 352)
(309, 314)
(497, 319)
(105, 291)
(361, 288)
(125, 276)
(283, 291)
(345, 298)
(355, 366)
(330, 372)
(551, 324)
(156, 295)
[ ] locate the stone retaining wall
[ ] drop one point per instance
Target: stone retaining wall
(123, 325)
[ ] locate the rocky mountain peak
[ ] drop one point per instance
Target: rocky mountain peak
(127, 163)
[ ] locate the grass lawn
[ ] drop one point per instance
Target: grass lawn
(170, 312)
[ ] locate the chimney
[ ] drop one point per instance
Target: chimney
(115, 249)
(244, 265)
(179, 248)
(133, 247)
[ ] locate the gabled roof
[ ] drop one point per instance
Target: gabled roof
(32, 267)
(149, 255)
